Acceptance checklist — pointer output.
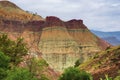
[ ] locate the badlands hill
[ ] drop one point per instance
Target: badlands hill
(61, 43)
(104, 63)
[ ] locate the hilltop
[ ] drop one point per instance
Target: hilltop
(10, 11)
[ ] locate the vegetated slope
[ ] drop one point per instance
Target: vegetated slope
(104, 63)
(10, 11)
(105, 35)
(61, 43)
(39, 67)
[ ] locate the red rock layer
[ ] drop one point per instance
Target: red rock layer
(37, 26)
(52, 21)
(75, 24)
(18, 26)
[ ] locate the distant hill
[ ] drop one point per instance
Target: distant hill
(112, 37)
(112, 40)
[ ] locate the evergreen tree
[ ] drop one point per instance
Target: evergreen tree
(4, 65)
(14, 49)
(20, 74)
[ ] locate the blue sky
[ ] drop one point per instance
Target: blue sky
(103, 15)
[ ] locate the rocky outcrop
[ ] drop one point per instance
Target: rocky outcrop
(52, 21)
(75, 24)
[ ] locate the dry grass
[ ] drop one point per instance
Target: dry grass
(12, 12)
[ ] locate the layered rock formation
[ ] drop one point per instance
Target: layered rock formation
(61, 43)
(57, 45)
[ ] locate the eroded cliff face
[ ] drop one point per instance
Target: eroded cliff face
(59, 49)
(61, 43)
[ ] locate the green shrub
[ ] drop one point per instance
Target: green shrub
(78, 62)
(4, 61)
(106, 78)
(43, 77)
(20, 74)
(4, 65)
(117, 78)
(14, 49)
(75, 74)
(3, 74)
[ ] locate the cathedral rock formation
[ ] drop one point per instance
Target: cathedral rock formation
(61, 43)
